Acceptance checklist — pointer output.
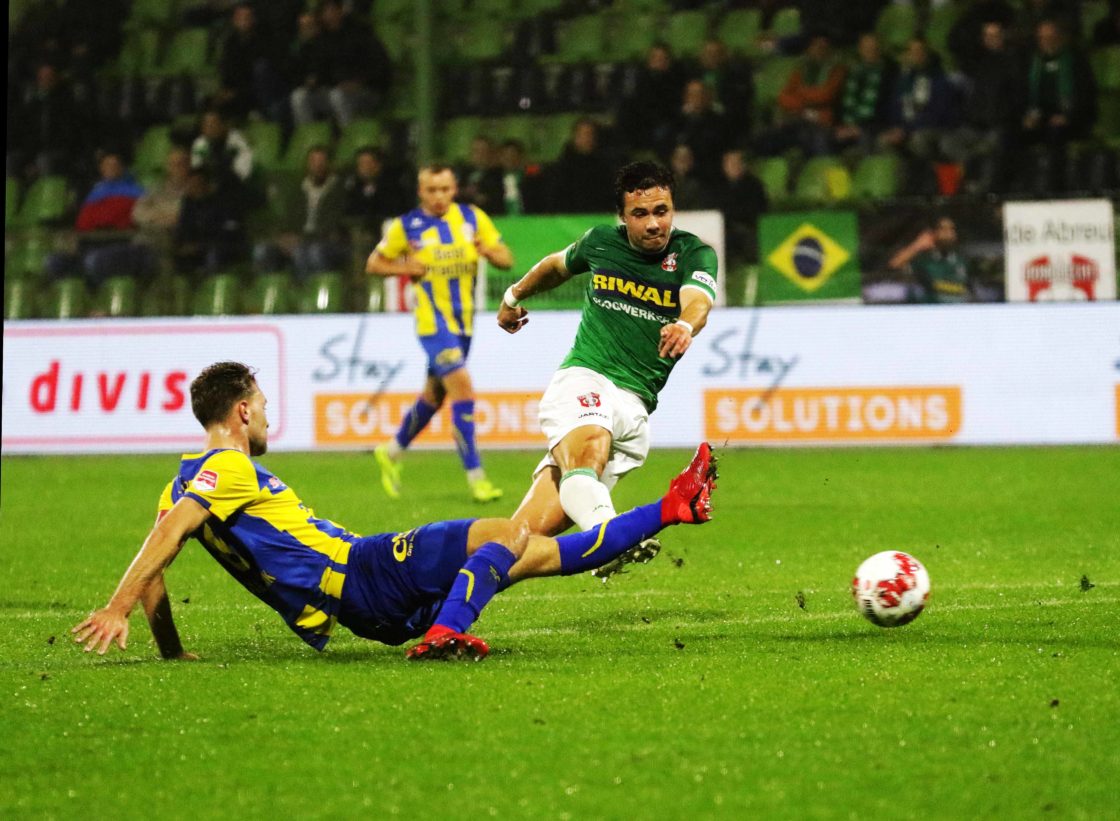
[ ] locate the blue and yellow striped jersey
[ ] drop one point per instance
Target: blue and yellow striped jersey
(267, 539)
(445, 296)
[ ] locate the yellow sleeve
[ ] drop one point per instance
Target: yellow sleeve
(488, 234)
(225, 483)
(165, 503)
(394, 243)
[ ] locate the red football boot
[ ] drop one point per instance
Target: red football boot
(444, 643)
(689, 500)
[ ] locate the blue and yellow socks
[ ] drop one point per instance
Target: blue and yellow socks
(580, 552)
(483, 574)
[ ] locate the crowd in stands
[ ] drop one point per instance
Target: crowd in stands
(1001, 100)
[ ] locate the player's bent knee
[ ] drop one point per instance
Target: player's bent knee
(514, 536)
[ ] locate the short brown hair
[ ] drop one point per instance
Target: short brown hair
(218, 387)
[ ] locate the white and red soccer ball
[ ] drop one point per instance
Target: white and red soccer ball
(891, 588)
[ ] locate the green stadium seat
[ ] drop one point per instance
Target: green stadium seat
(151, 13)
(187, 53)
(786, 23)
(632, 35)
(265, 138)
(47, 201)
(457, 136)
(118, 296)
(360, 133)
(1106, 66)
(167, 295)
(581, 39)
(11, 201)
(301, 141)
(1092, 12)
(392, 11)
(218, 295)
(516, 127)
(769, 80)
(739, 29)
(28, 254)
(68, 299)
(19, 298)
(270, 294)
(773, 173)
(823, 180)
(375, 295)
(627, 7)
(941, 20)
(686, 32)
(878, 176)
(140, 53)
(321, 294)
(895, 26)
(151, 151)
(552, 133)
(481, 39)
(1108, 119)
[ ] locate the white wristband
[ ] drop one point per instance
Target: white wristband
(687, 326)
(509, 299)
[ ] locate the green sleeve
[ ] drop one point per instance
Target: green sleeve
(701, 270)
(575, 257)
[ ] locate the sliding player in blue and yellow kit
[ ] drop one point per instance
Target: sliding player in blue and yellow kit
(432, 581)
(438, 246)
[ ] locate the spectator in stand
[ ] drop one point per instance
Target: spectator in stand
(966, 39)
(104, 227)
(990, 109)
(939, 272)
(741, 198)
(580, 180)
(314, 240)
(156, 213)
(226, 156)
(688, 193)
(480, 179)
(646, 114)
(1061, 91)
(521, 182)
(372, 194)
(703, 129)
(1033, 13)
(731, 83)
(210, 235)
(46, 131)
(923, 104)
(865, 102)
(344, 70)
(249, 68)
(807, 102)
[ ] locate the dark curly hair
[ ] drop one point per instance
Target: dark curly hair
(215, 390)
(638, 176)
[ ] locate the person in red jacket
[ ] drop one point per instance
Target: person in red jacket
(807, 102)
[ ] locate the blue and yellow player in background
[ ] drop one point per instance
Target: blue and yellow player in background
(433, 580)
(438, 246)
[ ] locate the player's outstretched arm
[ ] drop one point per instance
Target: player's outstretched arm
(544, 276)
(676, 338)
(157, 607)
(110, 624)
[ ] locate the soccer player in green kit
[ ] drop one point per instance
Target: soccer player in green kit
(648, 294)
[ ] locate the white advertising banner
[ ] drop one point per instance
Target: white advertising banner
(970, 374)
(1059, 251)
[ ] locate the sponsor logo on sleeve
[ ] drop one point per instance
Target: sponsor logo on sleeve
(206, 481)
(704, 279)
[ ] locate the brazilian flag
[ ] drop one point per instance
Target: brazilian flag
(809, 255)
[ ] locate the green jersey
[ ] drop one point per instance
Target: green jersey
(630, 296)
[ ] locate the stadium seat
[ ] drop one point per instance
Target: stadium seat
(117, 297)
(392, 11)
(167, 295)
(457, 136)
(941, 21)
(823, 180)
(769, 79)
(1106, 66)
(552, 134)
(686, 31)
(302, 139)
(896, 24)
(68, 299)
(641, 6)
(786, 23)
(773, 173)
(270, 294)
(375, 295)
(581, 39)
(27, 255)
(11, 201)
(46, 202)
(358, 134)
(140, 53)
(217, 295)
(321, 294)
(739, 29)
(878, 176)
(265, 138)
(481, 39)
(1092, 12)
(151, 151)
(1108, 118)
(150, 13)
(516, 127)
(187, 53)
(632, 35)
(19, 299)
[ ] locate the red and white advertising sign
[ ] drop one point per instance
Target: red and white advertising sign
(124, 386)
(1059, 251)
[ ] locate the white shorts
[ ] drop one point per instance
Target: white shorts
(579, 396)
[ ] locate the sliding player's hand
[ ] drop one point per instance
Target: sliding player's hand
(675, 340)
(510, 319)
(101, 629)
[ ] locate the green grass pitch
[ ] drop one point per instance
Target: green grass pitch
(695, 686)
